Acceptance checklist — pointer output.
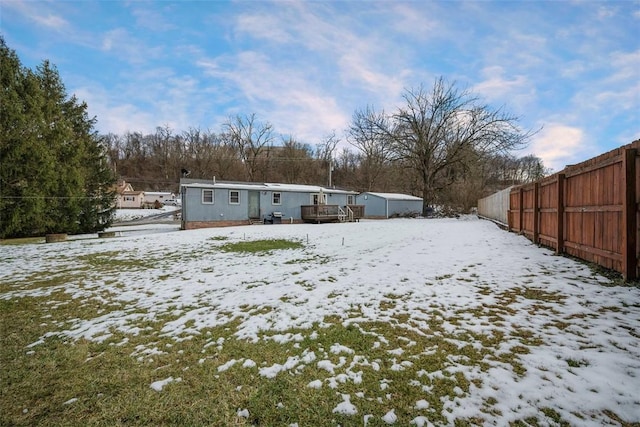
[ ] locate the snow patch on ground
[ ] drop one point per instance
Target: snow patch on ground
(159, 385)
(587, 359)
(345, 407)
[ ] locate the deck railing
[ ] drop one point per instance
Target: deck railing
(328, 213)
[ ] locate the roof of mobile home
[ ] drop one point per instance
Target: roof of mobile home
(394, 196)
(264, 186)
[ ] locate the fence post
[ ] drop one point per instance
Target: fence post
(536, 213)
(521, 211)
(509, 220)
(560, 213)
(629, 222)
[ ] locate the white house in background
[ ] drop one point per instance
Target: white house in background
(151, 197)
(127, 198)
(389, 205)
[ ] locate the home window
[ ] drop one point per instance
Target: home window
(350, 200)
(276, 199)
(234, 197)
(129, 198)
(319, 199)
(207, 197)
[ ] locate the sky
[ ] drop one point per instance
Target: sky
(568, 69)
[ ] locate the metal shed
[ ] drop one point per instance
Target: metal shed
(389, 205)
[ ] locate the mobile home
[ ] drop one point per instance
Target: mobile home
(211, 203)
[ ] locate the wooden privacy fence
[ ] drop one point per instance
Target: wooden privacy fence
(588, 210)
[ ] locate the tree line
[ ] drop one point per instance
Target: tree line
(442, 145)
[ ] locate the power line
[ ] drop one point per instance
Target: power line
(51, 197)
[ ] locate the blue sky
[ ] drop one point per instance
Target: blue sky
(570, 67)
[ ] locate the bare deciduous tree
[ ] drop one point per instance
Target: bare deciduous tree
(250, 138)
(375, 147)
(325, 152)
(435, 132)
(294, 161)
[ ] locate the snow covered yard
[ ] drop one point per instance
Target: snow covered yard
(123, 215)
(405, 322)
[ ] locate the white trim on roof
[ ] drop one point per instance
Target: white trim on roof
(394, 196)
(298, 188)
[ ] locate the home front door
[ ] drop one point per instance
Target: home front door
(254, 204)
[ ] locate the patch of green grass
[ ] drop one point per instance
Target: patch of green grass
(576, 363)
(115, 260)
(555, 416)
(266, 245)
(22, 241)
(542, 295)
(315, 260)
(306, 285)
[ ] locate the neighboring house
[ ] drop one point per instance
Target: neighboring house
(214, 204)
(151, 197)
(389, 205)
(127, 198)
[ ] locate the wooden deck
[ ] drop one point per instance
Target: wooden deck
(331, 213)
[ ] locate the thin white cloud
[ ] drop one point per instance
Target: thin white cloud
(262, 27)
(152, 19)
(126, 47)
(614, 95)
(288, 99)
(413, 20)
(51, 21)
(312, 30)
(155, 97)
(320, 62)
(607, 11)
(39, 13)
(115, 116)
(559, 145)
(497, 88)
(626, 66)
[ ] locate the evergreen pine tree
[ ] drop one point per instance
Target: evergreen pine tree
(54, 175)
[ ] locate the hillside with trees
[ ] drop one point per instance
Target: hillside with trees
(443, 145)
(54, 173)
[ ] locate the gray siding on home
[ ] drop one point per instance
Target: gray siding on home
(194, 210)
(373, 206)
(382, 205)
(405, 207)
